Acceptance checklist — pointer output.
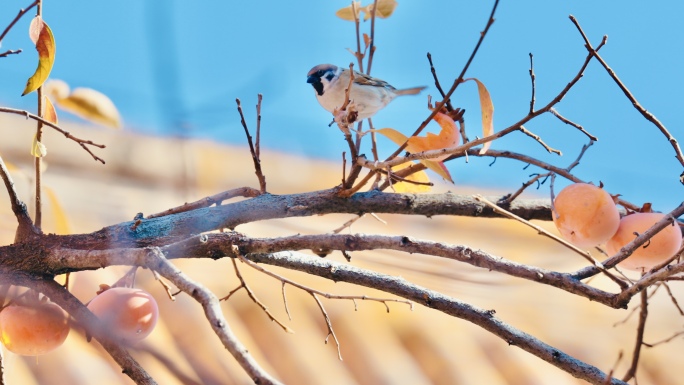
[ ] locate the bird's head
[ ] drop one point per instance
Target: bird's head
(321, 76)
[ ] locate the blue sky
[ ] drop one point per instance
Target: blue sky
(175, 68)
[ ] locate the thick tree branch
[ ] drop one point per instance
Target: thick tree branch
(172, 228)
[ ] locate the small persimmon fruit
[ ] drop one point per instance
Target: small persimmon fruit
(662, 246)
(130, 314)
(34, 328)
(585, 215)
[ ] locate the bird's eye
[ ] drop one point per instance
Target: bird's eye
(319, 73)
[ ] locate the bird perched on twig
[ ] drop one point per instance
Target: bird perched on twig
(369, 94)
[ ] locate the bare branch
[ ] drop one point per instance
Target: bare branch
(255, 156)
(431, 299)
(538, 139)
(371, 50)
(21, 13)
(647, 115)
(10, 52)
(456, 83)
(312, 291)
(534, 88)
(155, 258)
(82, 142)
(215, 199)
(571, 123)
(666, 340)
(331, 331)
(254, 298)
(448, 105)
(639, 337)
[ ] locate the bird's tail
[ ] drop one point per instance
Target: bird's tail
(409, 91)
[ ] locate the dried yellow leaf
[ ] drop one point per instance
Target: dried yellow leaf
(385, 9)
(41, 34)
(487, 108)
(412, 188)
(448, 137)
(49, 112)
(87, 103)
(351, 12)
(399, 138)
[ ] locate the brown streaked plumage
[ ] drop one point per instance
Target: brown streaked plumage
(368, 93)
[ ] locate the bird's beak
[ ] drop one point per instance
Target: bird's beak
(312, 79)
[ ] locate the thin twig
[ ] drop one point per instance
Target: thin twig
(328, 323)
(353, 190)
(21, 13)
(357, 54)
(538, 139)
(165, 285)
(510, 198)
(534, 87)
(310, 290)
(371, 50)
(579, 157)
(258, 126)
(639, 337)
(255, 157)
(570, 122)
(344, 166)
(287, 309)
(216, 199)
(10, 52)
(321, 293)
(666, 340)
(647, 115)
(448, 105)
(374, 144)
(68, 135)
(455, 85)
(672, 298)
(256, 300)
(609, 376)
(348, 224)
(38, 194)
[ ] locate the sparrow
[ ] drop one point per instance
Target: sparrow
(369, 94)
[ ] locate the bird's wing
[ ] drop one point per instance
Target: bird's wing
(366, 80)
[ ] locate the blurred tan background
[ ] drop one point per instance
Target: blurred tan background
(148, 174)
